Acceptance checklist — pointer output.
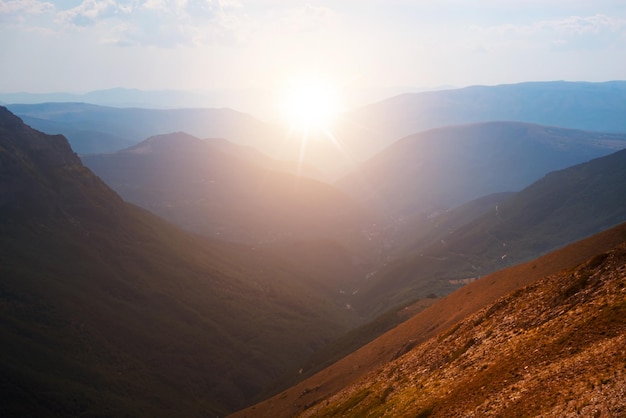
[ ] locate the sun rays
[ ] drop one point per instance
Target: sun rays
(310, 106)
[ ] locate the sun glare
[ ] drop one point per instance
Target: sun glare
(311, 104)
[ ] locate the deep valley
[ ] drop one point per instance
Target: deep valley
(469, 261)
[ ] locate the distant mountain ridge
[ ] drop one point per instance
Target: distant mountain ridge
(97, 129)
(123, 97)
(575, 105)
(562, 207)
(224, 190)
(442, 168)
(362, 132)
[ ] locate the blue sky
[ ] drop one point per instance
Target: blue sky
(83, 45)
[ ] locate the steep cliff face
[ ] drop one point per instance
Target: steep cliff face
(40, 174)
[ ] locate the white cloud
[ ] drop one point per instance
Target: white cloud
(578, 25)
(154, 5)
(256, 42)
(288, 23)
(25, 7)
(17, 12)
(162, 23)
(88, 12)
(573, 32)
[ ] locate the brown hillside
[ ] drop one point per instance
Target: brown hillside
(428, 323)
(553, 348)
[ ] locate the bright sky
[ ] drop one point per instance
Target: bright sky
(83, 45)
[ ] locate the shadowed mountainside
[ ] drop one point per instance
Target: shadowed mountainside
(473, 345)
(107, 310)
(223, 190)
(560, 208)
(442, 168)
(416, 232)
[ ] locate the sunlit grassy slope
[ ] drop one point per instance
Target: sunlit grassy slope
(552, 348)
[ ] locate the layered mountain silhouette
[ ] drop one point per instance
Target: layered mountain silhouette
(560, 208)
(357, 135)
(107, 310)
(545, 337)
(575, 105)
(442, 168)
(124, 97)
(223, 190)
(95, 129)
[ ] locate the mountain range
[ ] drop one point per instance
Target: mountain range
(122, 97)
(575, 105)
(466, 243)
(439, 169)
(107, 310)
(356, 135)
(265, 279)
(409, 242)
(97, 129)
(224, 190)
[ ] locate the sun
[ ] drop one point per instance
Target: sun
(311, 104)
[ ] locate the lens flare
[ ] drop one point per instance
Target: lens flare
(310, 106)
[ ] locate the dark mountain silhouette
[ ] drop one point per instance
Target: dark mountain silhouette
(542, 337)
(95, 129)
(224, 190)
(576, 105)
(442, 168)
(107, 310)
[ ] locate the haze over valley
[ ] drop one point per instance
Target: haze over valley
(280, 209)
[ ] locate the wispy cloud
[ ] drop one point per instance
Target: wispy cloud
(590, 32)
(18, 11)
(172, 23)
(573, 32)
(221, 43)
(289, 24)
(162, 23)
(89, 12)
(306, 19)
